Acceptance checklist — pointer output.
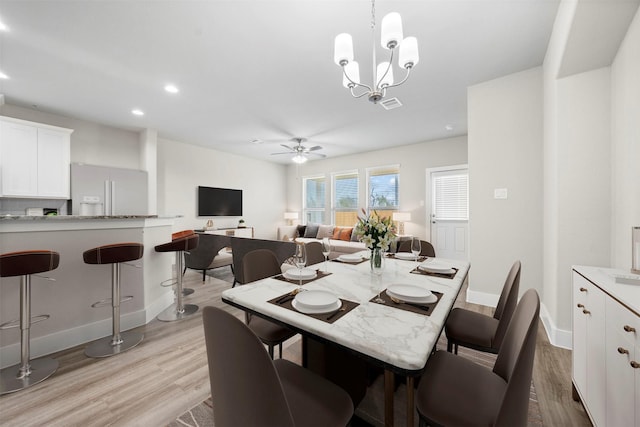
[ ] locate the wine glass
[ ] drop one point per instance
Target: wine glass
(300, 259)
(326, 250)
(415, 247)
(377, 268)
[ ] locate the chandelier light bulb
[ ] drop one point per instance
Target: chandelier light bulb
(299, 159)
(343, 52)
(391, 34)
(352, 70)
(409, 53)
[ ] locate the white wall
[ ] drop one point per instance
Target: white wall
(505, 151)
(183, 167)
(625, 136)
(413, 159)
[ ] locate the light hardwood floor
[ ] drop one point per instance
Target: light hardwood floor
(166, 374)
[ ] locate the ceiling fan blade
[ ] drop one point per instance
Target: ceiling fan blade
(320, 155)
(314, 148)
(287, 147)
(282, 152)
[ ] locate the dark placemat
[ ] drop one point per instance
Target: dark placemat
(420, 258)
(329, 317)
(319, 275)
(350, 262)
(425, 309)
(442, 275)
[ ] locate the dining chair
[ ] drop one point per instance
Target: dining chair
(455, 391)
(314, 253)
(259, 264)
(479, 331)
(208, 254)
(426, 248)
(250, 389)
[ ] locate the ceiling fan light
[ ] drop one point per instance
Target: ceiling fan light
(408, 53)
(352, 69)
(391, 33)
(299, 159)
(384, 67)
(343, 49)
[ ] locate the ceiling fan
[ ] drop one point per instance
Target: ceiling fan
(301, 152)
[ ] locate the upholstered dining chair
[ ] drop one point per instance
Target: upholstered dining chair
(426, 248)
(208, 254)
(259, 264)
(456, 391)
(479, 331)
(314, 253)
(249, 389)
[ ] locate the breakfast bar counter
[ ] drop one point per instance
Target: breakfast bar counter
(76, 285)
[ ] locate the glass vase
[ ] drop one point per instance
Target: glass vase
(377, 255)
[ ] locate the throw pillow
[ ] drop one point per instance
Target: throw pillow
(354, 237)
(336, 233)
(311, 231)
(345, 233)
(300, 229)
(325, 231)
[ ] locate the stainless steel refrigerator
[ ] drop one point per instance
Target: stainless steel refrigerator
(101, 190)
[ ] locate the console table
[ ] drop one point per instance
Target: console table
(233, 231)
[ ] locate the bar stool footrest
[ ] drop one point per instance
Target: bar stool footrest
(41, 369)
(108, 301)
(103, 347)
(16, 323)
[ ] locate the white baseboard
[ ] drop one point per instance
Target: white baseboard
(40, 346)
(557, 337)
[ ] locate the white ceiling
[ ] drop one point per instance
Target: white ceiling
(260, 69)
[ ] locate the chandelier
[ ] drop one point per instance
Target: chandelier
(391, 38)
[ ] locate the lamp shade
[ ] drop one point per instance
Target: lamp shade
(343, 49)
(352, 69)
(299, 158)
(391, 32)
(291, 215)
(401, 216)
(408, 53)
(384, 69)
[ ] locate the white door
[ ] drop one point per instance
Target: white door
(449, 218)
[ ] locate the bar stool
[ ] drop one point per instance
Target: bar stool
(114, 254)
(178, 310)
(175, 236)
(28, 372)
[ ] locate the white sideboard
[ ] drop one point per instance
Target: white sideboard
(34, 159)
(606, 346)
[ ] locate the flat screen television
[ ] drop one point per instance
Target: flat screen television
(214, 201)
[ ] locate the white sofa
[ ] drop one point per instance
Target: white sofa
(338, 246)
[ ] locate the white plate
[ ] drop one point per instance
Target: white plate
(350, 258)
(304, 274)
(411, 293)
(308, 310)
(436, 267)
(316, 299)
(405, 255)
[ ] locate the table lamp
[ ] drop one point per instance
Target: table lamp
(290, 216)
(400, 218)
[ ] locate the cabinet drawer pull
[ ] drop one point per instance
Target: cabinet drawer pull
(583, 289)
(634, 364)
(580, 305)
(585, 311)
(628, 328)
(623, 350)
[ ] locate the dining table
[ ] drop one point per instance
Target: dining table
(397, 336)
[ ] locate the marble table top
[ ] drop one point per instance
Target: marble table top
(398, 339)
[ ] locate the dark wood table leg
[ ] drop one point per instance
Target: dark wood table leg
(410, 403)
(389, 388)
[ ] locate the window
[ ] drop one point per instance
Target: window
(451, 196)
(313, 193)
(382, 190)
(345, 199)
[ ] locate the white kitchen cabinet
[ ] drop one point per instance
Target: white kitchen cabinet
(606, 346)
(34, 160)
(588, 346)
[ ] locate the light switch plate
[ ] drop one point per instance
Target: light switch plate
(499, 193)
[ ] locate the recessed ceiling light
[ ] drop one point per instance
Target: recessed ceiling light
(137, 112)
(3, 27)
(449, 128)
(3, 75)
(171, 88)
